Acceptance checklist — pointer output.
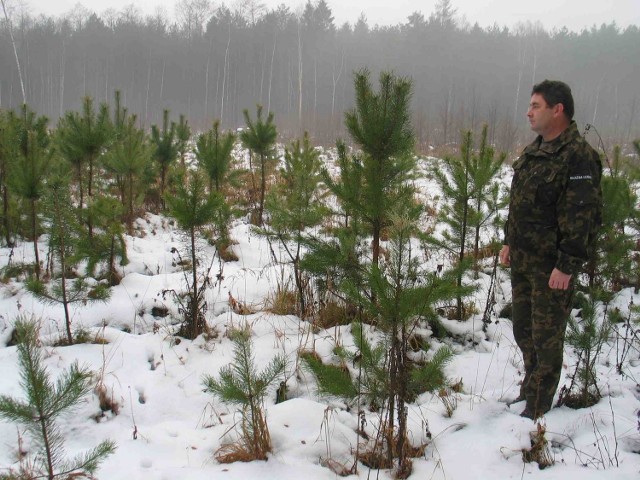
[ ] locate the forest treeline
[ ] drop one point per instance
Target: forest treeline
(212, 61)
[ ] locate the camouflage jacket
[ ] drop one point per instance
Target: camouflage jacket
(555, 204)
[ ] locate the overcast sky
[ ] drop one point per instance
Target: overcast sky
(575, 14)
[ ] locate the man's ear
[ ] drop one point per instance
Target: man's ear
(558, 109)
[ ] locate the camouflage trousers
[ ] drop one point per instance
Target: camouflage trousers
(539, 323)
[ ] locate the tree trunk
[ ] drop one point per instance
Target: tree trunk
(224, 76)
(263, 187)
(47, 444)
(130, 216)
(299, 284)
(375, 245)
(463, 235)
(299, 76)
(206, 81)
(34, 228)
(15, 51)
(195, 327)
(113, 272)
(393, 379)
(402, 396)
(63, 286)
(5, 214)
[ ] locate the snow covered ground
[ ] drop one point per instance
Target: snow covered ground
(167, 427)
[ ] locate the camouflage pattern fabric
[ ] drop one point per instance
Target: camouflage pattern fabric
(554, 210)
(555, 204)
(539, 322)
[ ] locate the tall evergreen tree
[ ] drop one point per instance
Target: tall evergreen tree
(339, 258)
(214, 154)
(611, 261)
(463, 180)
(128, 160)
(8, 143)
(260, 137)
(183, 135)
(487, 198)
(107, 244)
(380, 125)
(193, 208)
(166, 151)
(82, 139)
(295, 205)
(34, 158)
(402, 292)
(64, 235)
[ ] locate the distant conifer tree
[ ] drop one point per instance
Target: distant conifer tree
(166, 149)
(8, 143)
(214, 152)
(294, 205)
(259, 137)
(129, 160)
(82, 139)
(64, 235)
(380, 125)
(194, 208)
(34, 158)
(183, 135)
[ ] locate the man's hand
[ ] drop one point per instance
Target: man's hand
(505, 258)
(559, 280)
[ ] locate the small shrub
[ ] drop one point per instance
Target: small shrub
(83, 335)
(242, 384)
(45, 403)
(587, 335)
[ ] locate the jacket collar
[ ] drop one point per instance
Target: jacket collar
(538, 148)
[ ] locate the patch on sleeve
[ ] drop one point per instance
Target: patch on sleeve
(581, 177)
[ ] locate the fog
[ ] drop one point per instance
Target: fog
(212, 63)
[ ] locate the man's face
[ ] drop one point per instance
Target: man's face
(542, 117)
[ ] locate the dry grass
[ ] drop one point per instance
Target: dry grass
(81, 336)
(376, 454)
(106, 400)
(339, 468)
(332, 314)
(239, 307)
(254, 444)
(539, 451)
(225, 251)
(282, 302)
(449, 399)
(468, 309)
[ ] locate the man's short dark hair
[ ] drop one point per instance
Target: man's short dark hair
(554, 92)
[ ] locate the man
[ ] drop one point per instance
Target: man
(554, 208)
